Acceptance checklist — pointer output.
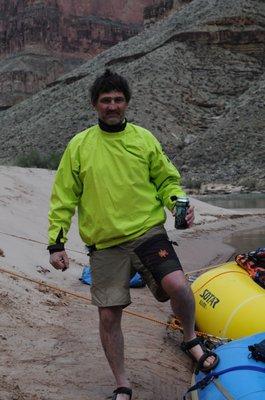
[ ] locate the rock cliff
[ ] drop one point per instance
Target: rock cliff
(161, 9)
(40, 40)
(198, 81)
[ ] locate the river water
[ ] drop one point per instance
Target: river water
(237, 200)
(243, 241)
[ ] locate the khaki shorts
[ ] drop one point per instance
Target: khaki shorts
(152, 255)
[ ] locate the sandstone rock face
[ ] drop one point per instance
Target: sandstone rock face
(26, 73)
(130, 11)
(198, 82)
(60, 34)
(162, 9)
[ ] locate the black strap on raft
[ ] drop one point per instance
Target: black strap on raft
(214, 375)
(257, 351)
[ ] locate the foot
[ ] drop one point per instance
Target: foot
(122, 393)
(204, 358)
(123, 397)
(198, 352)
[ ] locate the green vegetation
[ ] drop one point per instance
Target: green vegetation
(192, 183)
(35, 159)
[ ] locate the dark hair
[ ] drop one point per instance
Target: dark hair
(108, 82)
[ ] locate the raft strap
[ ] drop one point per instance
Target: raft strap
(257, 351)
(214, 375)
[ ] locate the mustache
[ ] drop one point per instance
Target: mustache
(113, 113)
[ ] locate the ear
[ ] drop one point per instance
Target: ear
(94, 105)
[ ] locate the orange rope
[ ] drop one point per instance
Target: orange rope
(73, 294)
(174, 324)
(42, 283)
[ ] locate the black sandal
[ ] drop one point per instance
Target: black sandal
(122, 390)
(186, 346)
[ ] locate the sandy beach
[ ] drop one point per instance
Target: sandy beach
(49, 342)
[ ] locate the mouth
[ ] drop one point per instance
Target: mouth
(113, 118)
(113, 114)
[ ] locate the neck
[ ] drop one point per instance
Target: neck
(112, 128)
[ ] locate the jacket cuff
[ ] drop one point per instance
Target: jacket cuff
(171, 202)
(53, 248)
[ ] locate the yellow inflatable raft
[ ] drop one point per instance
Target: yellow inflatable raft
(228, 302)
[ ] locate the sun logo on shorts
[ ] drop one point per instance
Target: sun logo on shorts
(162, 253)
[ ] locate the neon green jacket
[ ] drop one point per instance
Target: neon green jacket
(120, 183)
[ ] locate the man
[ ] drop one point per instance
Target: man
(119, 178)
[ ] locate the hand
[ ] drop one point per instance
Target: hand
(59, 260)
(190, 216)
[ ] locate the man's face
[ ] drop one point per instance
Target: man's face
(111, 107)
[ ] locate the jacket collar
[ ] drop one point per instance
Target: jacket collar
(112, 128)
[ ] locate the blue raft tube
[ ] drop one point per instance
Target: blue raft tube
(238, 376)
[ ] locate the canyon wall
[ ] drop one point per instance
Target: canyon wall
(161, 9)
(198, 83)
(40, 40)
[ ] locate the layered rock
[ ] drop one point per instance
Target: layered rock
(24, 74)
(198, 84)
(161, 9)
(56, 36)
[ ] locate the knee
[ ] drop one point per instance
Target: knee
(177, 287)
(176, 281)
(182, 290)
(183, 297)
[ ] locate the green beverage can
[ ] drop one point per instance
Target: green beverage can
(181, 207)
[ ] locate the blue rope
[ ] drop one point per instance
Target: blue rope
(214, 375)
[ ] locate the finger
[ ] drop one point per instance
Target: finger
(65, 261)
(58, 264)
(190, 216)
(57, 261)
(190, 210)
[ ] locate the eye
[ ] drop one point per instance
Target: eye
(119, 99)
(105, 100)
(109, 100)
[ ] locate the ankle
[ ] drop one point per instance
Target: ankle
(123, 383)
(188, 338)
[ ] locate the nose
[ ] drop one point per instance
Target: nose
(112, 105)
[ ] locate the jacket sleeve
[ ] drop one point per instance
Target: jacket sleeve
(66, 192)
(165, 176)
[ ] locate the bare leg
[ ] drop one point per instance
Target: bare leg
(113, 344)
(183, 305)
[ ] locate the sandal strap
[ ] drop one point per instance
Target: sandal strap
(204, 358)
(190, 344)
(122, 390)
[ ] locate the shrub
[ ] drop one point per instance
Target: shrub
(192, 183)
(34, 159)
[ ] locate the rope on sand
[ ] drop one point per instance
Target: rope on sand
(173, 323)
(35, 241)
(195, 272)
